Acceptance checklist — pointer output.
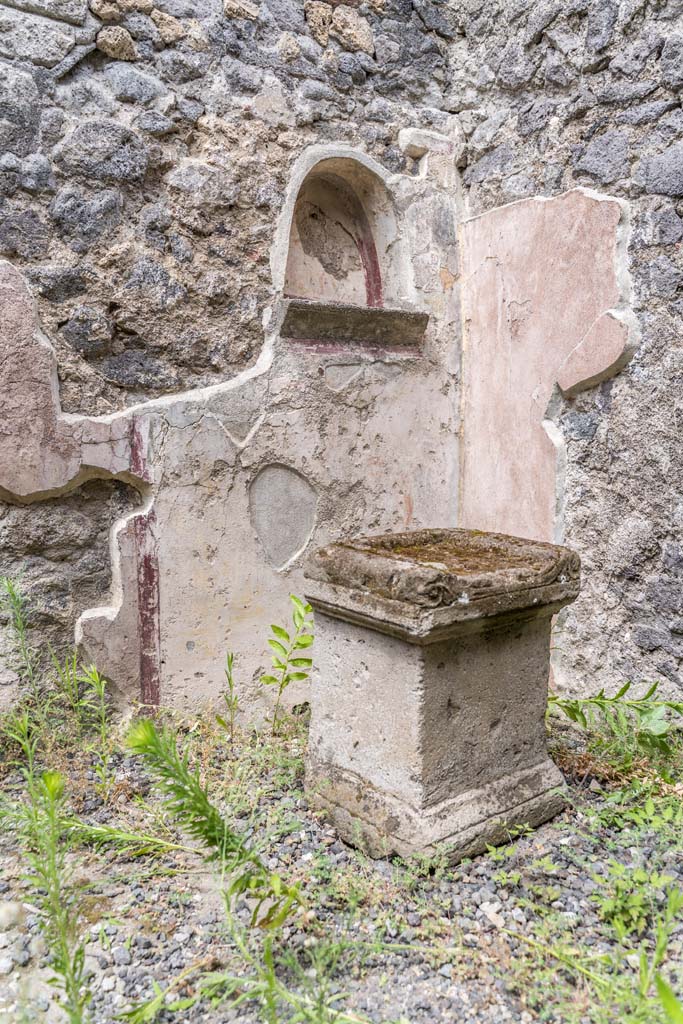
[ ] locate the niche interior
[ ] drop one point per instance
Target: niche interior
(346, 278)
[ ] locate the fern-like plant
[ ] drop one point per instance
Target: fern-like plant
(14, 604)
(54, 893)
(188, 801)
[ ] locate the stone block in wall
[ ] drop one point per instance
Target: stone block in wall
(72, 11)
(19, 111)
(105, 151)
(116, 42)
(39, 40)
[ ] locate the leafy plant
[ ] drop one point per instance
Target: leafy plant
(285, 658)
(231, 701)
(55, 896)
(642, 718)
(124, 841)
(630, 898)
(644, 807)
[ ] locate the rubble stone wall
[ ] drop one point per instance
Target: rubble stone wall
(145, 148)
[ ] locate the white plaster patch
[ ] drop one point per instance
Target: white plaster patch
(282, 505)
(339, 375)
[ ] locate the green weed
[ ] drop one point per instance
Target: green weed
(629, 898)
(231, 701)
(54, 894)
(625, 727)
(187, 800)
(285, 657)
(15, 605)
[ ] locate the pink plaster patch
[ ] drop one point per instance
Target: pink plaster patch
(539, 280)
(598, 356)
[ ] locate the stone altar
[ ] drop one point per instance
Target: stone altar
(429, 697)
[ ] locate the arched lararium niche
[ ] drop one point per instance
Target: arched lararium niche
(347, 278)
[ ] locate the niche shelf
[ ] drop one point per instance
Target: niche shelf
(342, 323)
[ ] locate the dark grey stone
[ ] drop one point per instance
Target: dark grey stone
(535, 116)
(58, 283)
(160, 290)
(664, 277)
(19, 111)
(189, 110)
(241, 77)
(156, 124)
(82, 219)
(350, 65)
(9, 175)
(557, 71)
(671, 61)
(669, 127)
(136, 368)
(651, 638)
(631, 60)
(541, 16)
(492, 165)
(672, 556)
(143, 30)
(667, 227)
(130, 85)
(605, 157)
(178, 66)
(52, 123)
(580, 426)
(181, 249)
(188, 8)
(318, 91)
(146, 50)
(624, 92)
(155, 220)
(665, 595)
(24, 234)
(437, 16)
(287, 14)
(35, 174)
(105, 151)
(88, 331)
(514, 69)
(646, 112)
(663, 174)
(311, 50)
(602, 20)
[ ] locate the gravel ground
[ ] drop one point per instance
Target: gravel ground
(421, 943)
